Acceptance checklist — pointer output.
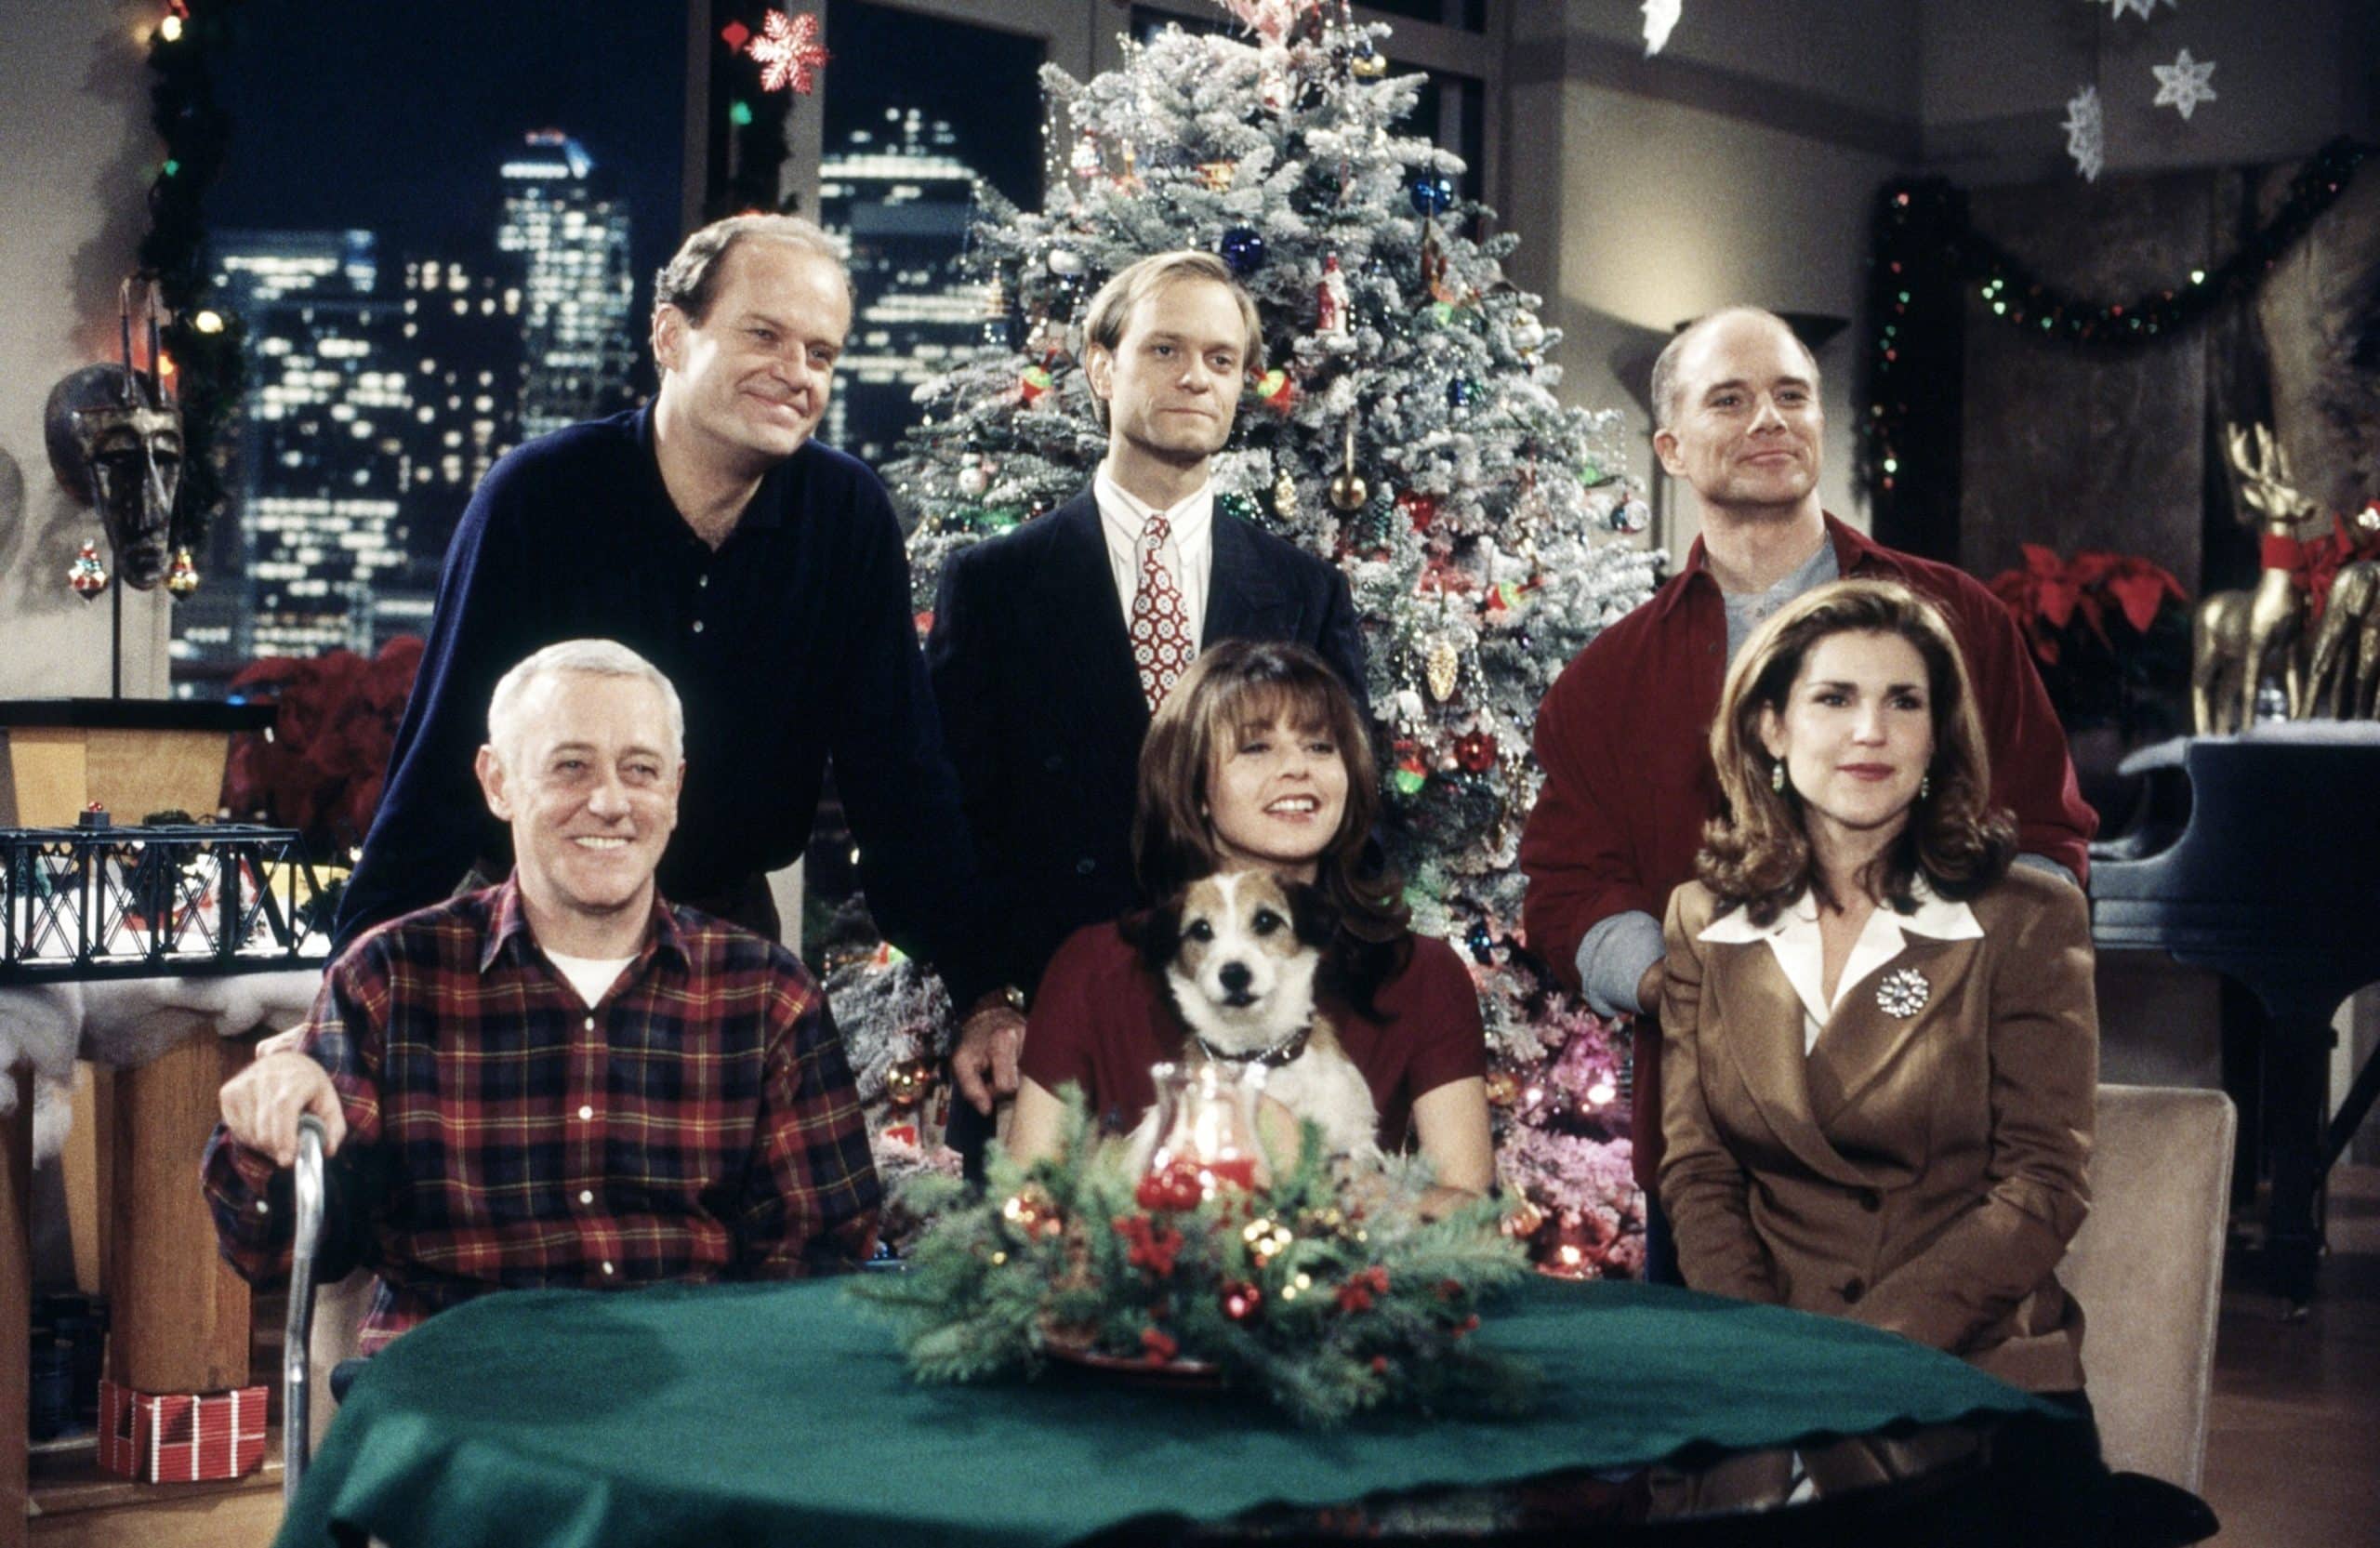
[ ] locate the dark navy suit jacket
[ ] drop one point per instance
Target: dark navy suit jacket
(1041, 706)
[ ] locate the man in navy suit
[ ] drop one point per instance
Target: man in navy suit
(1052, 644)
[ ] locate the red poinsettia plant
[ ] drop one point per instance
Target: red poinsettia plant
(321, 766)
(2109, 631)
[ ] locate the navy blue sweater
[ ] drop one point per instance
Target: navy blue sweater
(794, 641)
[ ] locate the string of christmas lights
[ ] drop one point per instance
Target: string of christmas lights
(1929, 260)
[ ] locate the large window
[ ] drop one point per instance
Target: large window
(439, 226)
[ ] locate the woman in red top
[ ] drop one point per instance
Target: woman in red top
(1258, 758)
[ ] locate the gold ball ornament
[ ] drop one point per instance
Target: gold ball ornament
(1369, 64)
(906, 1083)
(1348, 491)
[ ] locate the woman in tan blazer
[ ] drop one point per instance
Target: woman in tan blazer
(1880, 1041)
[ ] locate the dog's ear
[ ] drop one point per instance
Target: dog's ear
(1312, 914)
(1154, 933)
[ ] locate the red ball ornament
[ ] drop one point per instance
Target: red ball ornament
(1241, 1300)
(1172, 1187)
(1419, 509)
(1475, 750)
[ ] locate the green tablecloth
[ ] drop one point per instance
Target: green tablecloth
(781, 1414)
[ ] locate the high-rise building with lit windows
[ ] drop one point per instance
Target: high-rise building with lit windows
(575, 279)
(463, 326)
(320, 465)
(897, 193)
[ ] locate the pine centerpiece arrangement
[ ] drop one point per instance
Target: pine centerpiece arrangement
(1327, 1306)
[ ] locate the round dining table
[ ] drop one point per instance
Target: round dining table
(768, 1414)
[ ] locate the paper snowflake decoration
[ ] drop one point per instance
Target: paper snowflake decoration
(790, 52)
(2184, 84)
(2086, 133)
(2143, 7)
(1660, 16)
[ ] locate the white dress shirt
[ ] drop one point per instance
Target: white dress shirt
(1793, 936)
(1188, 552)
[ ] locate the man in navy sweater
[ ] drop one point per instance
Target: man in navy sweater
(762, 572)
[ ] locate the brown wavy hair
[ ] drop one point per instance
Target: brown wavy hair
(1756, 853)
(1232, 688)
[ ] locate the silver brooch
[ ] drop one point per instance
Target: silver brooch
(1903, 993)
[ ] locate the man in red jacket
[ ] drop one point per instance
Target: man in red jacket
(1623, 734)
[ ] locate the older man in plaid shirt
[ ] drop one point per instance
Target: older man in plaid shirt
(561, 1080)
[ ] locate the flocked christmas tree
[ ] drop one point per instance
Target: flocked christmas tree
(1406, 427)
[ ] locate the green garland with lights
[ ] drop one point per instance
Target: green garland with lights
(208, 348)
(1928, 259)
(1324, 1306)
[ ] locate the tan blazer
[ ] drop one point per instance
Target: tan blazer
(1918, 1168)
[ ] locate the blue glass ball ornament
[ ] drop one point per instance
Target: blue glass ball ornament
(1460, 392)
(1433, 193)
(1243, 249)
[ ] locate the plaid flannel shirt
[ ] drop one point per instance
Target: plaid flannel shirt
(699, 1122)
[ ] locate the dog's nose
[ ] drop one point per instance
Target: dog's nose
(1234, 977)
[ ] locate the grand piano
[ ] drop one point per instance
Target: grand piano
(2259, 857)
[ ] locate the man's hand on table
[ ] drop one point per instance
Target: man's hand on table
(261, 1105)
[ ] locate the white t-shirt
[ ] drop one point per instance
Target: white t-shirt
(591, 976)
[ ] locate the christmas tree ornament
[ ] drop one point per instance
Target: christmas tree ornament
(1462, 392)
(1218, 174)
(1032, 383)
(86, 575)
(1411, 775)
(1348, 491)
(1241, 1300)
(1369, 64)
(1503, 1087)
(1065, 261)
(182, 579)
(1528, 332)
(1331, 317)
(907, 1082)
(788, 52)
(1277, 389)
(1243, 248)
(2184, 84)
(974, 479)
(1419, 509)
(1475, 750)
(996, 297)
(1432, 193)
(2086, 133)
(1083, 160)
(1630, 516)
(1443, 666)
(1285, 498)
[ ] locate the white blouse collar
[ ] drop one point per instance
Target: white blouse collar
(1794, 937)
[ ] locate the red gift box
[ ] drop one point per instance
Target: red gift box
(180, 1436)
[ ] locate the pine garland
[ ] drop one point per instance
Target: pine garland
(1327, 1308)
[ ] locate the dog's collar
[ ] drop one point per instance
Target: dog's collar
(1274, 1057)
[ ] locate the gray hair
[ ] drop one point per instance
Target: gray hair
(690, 280)
(1665, 382)
(588, 658)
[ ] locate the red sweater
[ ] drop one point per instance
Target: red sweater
(1623, 737)
(1101, 1020)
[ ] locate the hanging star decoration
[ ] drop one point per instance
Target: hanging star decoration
(2086, 133)
(1660, 16)
(2143, 7)
(2184, 84)
(790, 52)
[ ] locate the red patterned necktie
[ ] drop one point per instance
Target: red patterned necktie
(1160, 627)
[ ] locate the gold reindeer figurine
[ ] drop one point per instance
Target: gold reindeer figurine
(2240, 639)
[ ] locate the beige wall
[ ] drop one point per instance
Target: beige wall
(74, 119)
(1736, 166)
